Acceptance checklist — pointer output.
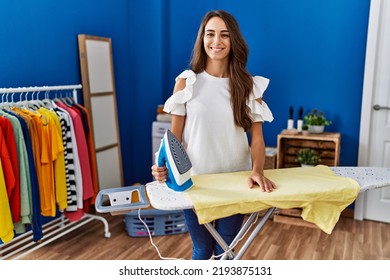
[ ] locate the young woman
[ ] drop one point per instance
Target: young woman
(213, 107)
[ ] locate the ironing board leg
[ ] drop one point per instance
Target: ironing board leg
(254, 233)
(241, 232)
(229, 254)
(219, 239)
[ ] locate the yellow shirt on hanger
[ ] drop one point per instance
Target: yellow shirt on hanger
(58, 158)
(6, 223)
(52, 160)
(39, 136)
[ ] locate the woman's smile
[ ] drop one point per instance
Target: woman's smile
(217, 39)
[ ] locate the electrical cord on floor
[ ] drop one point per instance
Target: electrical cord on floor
(151, 239)
(213, 257)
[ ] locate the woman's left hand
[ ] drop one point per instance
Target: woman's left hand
(263, 182)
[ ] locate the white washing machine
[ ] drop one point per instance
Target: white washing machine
(158, 131)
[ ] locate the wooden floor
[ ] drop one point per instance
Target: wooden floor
(350, 240)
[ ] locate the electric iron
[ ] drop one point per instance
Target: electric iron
(172, 153)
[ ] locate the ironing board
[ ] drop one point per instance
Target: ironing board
(163, 198)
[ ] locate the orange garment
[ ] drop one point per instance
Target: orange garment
(40, 135)
(57, 158)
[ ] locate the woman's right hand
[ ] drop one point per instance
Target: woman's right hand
(160, 173)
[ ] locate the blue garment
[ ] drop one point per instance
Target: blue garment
(203, 243)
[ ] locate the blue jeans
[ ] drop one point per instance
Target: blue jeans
(203, 243)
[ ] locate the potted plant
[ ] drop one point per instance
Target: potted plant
(316, 121)
(308, 157)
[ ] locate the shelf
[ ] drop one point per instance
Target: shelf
(327, 145)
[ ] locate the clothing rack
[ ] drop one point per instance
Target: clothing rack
(23, 244)
(41, 88)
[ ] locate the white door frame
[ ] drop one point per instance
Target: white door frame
(368, 94)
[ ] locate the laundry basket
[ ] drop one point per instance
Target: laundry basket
(159, 223)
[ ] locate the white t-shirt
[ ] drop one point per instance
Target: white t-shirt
(213, 142)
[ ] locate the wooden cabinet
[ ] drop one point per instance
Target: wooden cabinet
(270, 158)
(327, 145)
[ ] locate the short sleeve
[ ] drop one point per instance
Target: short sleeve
(176, 103)
(259, 111)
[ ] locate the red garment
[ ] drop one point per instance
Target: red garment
(88, 190)
(9, 176)
(92, 155)
(9, 137)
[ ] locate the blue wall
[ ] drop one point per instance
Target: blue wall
(312, 51)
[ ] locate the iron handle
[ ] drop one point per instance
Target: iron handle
(378, 107)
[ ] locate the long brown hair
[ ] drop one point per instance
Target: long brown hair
(240, 81)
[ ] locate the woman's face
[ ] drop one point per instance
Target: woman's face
(216, 40)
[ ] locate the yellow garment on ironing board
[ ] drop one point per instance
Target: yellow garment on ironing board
(320, 193)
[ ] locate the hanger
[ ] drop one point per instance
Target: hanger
(48, 103)
(71, 96)
(22, 103)
(57, 99)
(3, 103)
(67, 100)
(7, 105)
